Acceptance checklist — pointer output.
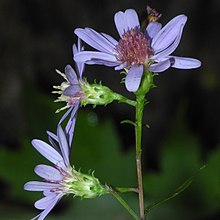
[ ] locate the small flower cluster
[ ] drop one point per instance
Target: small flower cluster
(141, 53)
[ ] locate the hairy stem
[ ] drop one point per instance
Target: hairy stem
(138, 135)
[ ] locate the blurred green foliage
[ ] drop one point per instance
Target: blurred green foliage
(96, 146)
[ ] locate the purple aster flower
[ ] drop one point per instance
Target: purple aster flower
(60, 179)
(136, 50)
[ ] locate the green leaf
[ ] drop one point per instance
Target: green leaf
(128, 122)
(179, 190)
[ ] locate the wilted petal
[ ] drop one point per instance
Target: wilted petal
(101, 62)
(85, 56)
(132, 18)
(72, 90)
(94, 39)
(160, 66)
(133, 79)
(48, 172)
(185, 62)
(153, 28)
(168, 34)
(39, 186)
(64, 147)
(48, 152)
(71, 75)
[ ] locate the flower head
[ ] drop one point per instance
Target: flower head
(60, 179)
(136, 50)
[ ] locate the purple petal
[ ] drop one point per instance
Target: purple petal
(64, 116)
(101, 62)
(64, 147)
(160, 66)
(132, 18)
(71, 75)
(48, 152)
(72, 90)
(153, 28)
(94, 39)
(39, 186)
(133, 79)
(85, 56)
(120, 23)
(110, 39)
(48, 172)
(43, 203)
(70, 126)
(170, 33)
(48, 208)
(185, 62)
(121, 66)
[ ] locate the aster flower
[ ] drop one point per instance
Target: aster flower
(60, 179)
(136, 51)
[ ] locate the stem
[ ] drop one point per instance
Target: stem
(138, 134)
(123, 99)
(123, 202)
(123, 190)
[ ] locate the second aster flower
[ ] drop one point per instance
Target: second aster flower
(61, 178)
(136, 51)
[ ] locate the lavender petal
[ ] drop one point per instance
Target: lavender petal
(85, 56)
(185, 62)
(64, 147)
(120, 22)
(132, 19)
(160, 66)
(43, 203)
(133, 79)
(72, 90)
(94, 39)
(48, 152)
(152, 29)
(168, 34)
(39, 186)
(71, 75)
(48, 172)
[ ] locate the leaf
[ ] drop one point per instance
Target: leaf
(178, 191)
(128, 122)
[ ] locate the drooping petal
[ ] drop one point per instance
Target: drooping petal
(160, 66)
(152, 29)
(71, 75)
(94, 39)
(70, 126)
(133, 79)
(64, 147)
(72, 90)
(48, 152)
(49, 208)
(48, 172)
(120, 22)
(39, 186)
(169, 34)
(185, 62)
(85, 56)
(43, 203)
(132, 19)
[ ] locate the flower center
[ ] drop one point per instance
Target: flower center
(133, 48)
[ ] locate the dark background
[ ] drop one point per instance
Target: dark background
(36, 38)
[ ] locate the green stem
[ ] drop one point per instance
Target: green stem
(123, 202)
(123, 99)
(123, 190)
(138, 134)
